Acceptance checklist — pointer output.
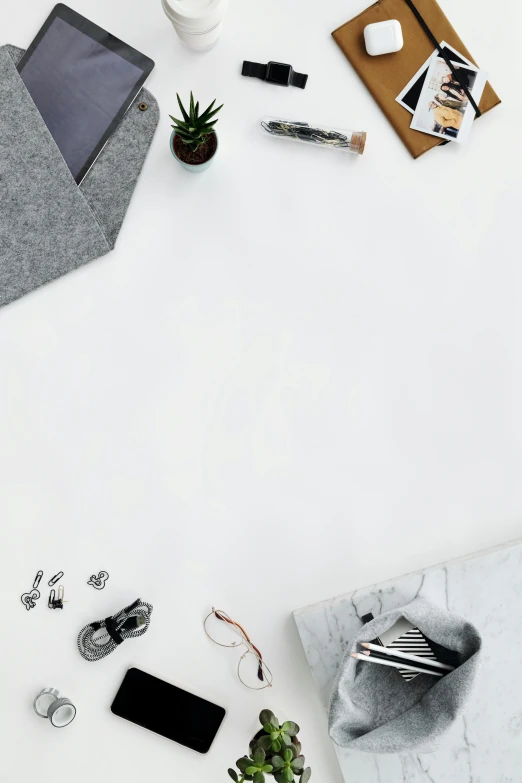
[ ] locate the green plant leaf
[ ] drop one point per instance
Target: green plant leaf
(209, 117)
(191, 112)
(259, 755)
(277, 762)
(268, 727)
(290, 728)
(287, 755)
(286, 739)
(298, 763)
(196, 111)
(289, 775)
(183, 134)
(184, 113)
(307, 774)
(279, 777)
(233, 774)
(276, 746)
(264, 742)
(274, 736)
(179, 122)
(265, 716)
(251, 770)
(243, 763)
(209, 125)
(268, 768)
(259, 777)
(207, 114)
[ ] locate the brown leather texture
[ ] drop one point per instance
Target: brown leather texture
(386, 75)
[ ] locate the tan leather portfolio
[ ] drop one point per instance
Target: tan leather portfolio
(386, 75)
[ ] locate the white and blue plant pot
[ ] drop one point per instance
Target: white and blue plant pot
(196, 167)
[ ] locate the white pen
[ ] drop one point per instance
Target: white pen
(406, 656)
(362, 657)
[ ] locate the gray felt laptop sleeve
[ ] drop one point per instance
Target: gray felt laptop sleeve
(373, 709)
(49, 224)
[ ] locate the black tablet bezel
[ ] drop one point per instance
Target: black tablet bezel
(104, 38)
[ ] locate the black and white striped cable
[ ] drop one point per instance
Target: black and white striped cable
(130, 622)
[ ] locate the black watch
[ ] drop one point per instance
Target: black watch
(275, 73)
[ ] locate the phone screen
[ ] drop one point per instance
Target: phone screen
(167, 710)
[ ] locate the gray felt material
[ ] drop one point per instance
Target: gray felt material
(373, 709)
(48, 224)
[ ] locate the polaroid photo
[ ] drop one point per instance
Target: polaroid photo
(443, 108)
(411, 93)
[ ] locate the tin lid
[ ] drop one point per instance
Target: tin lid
(197, 15)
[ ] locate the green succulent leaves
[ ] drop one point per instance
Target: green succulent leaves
(267, 716)
(288, 766)
(194, 129)
(280, 736)
(275, 750)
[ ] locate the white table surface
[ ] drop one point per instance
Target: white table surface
(297, 374)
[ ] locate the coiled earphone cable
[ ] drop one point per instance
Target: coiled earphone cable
(130, 622)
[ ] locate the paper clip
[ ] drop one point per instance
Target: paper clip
(55, 578)
(56, 603)
(37, 579)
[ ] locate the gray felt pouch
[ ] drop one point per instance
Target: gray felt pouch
(49, 224)
(373, 709)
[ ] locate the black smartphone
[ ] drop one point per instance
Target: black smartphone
(167, 710)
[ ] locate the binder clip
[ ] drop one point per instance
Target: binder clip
(56, 603)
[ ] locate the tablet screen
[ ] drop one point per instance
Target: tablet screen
(81, 87)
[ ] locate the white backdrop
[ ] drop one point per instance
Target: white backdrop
(297, 374)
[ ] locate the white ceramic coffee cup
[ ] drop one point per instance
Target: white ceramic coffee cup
(198, 23)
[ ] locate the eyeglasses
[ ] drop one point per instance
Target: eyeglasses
(251, 669)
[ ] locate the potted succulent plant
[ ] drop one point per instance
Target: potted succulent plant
(194, 141)
(275, 750)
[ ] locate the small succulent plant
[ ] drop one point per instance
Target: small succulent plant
(275, 750)
(194, 129)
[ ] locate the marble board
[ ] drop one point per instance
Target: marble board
(485, 744)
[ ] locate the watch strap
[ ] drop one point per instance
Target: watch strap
(260, 71)
(257, 70)
(298, 79)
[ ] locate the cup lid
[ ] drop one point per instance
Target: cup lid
(195, 13)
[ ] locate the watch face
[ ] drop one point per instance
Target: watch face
(279, 73)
